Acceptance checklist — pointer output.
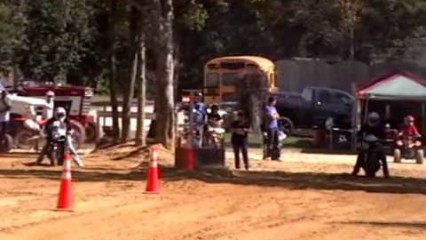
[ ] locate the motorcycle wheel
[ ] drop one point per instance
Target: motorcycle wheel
(419, 156)
(397, 155)
(51, 154)
(23, 139)
(371, 166)
(90, 132)
(60, 151)
(6, 144)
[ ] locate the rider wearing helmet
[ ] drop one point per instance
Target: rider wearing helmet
(214, 117)
(214, 125)
(373, 127)
(57, 126)
(409, 128)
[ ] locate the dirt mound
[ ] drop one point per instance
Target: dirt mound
(129, 151)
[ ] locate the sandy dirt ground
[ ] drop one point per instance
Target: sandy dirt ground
(308, 196)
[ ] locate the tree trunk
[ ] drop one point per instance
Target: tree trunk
(128, 96)
(140, 128)
(164, 102)
(113, 70)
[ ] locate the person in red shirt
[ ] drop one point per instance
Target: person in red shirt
(409, 129)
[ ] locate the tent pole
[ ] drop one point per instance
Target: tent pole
(423, 118)
(387, 112)
(364, 119)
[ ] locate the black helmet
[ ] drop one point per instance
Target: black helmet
(373, 118)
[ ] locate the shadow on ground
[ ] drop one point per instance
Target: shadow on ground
(419, 225)
(277, 179)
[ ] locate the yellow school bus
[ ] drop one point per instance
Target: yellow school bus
(223, 77)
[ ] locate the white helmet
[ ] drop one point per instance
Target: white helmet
(60, 113)
(50, 93)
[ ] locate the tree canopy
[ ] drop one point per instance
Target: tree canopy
(49, 40)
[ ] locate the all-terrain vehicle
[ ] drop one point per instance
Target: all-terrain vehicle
(409, 147)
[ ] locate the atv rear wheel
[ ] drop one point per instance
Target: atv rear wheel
(419, 156)
(397, 155)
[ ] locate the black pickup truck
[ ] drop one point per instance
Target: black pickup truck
(312, 107)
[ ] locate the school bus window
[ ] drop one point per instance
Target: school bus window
(252, 66)
(212, 80)
(232, 66)
(212, 66)
(229, 78)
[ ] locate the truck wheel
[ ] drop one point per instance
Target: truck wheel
(90, 131)
(286, 125)
(6, 144)
(397, 155)
(419, 156)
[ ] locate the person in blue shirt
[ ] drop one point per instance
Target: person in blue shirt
(271, 127)
(198, 103)
(199, 120)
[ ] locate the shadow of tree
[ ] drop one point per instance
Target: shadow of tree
(286, 180)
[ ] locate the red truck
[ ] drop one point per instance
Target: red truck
(75, 99)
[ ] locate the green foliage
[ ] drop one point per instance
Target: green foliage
(195, 17)
(56, 36)
(48, 39)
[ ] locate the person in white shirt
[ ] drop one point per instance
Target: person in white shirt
(4, 113)
(50, 105)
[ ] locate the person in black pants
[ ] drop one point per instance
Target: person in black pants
(240, 128)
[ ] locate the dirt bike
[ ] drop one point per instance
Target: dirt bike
(371, 150)
(409, 147)
(60, 145)
(214, 135)
(31, 136)
(56, 150)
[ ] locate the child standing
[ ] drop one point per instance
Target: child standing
(240, 129)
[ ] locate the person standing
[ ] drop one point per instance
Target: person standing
(240, 129)
(5, 105)
(49, 107)
(271, 128)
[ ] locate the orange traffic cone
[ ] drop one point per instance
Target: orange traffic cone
(66, 195)
(153, 183)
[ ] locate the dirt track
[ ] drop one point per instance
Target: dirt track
(290, 200)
